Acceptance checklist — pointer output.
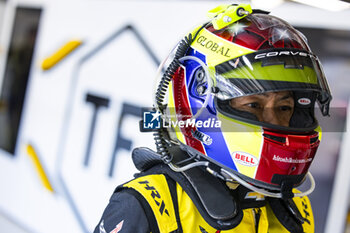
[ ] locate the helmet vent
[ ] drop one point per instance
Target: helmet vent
(313, 140)
(275, 138)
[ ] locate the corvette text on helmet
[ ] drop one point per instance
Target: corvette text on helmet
(283, 53)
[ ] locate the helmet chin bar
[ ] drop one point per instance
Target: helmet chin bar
(232, 177)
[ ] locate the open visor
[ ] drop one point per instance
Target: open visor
(272, 70)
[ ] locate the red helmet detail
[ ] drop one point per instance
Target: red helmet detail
(248, 33)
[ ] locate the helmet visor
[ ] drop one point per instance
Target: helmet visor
(272, 70)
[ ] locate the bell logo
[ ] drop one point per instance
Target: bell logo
(304, 101)
(244, 159)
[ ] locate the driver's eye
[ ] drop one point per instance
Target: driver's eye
(285, 108)
(253, 105)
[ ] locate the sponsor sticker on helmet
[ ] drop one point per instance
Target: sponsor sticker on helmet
(244, 158)
(304, 101)
(283, 53)
(290, 159)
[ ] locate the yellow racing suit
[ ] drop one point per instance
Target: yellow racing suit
(195, 201)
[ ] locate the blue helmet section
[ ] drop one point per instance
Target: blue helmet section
(217, 150)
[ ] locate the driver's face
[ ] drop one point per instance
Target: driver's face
(272, 107)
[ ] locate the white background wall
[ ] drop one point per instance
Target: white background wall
(57, 118)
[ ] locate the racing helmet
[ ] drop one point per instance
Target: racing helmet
(242, 52)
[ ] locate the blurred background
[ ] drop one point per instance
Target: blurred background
(74, 75)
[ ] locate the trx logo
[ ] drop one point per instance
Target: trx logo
(213, 46)
(155, 195)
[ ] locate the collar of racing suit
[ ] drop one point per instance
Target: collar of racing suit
(220, 206)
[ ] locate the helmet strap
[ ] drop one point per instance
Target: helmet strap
(286, 189)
